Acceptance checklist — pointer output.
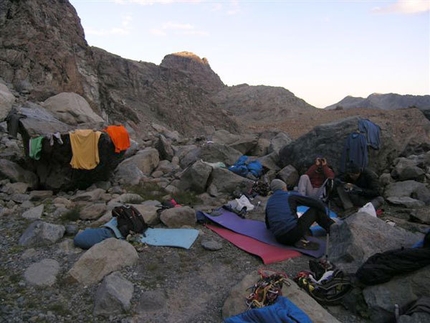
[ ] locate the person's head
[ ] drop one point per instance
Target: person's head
(278, 184)
(353, 171)
(320, 161)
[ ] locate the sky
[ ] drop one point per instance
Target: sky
(320, 50)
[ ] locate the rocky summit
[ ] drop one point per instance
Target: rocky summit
(186, 129)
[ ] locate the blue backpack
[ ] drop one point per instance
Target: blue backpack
(240, 167)
(255, 168)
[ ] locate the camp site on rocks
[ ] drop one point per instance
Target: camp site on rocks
(192, 159)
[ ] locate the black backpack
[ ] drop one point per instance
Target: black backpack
(261, 188)
(329, 291)
(129, 220)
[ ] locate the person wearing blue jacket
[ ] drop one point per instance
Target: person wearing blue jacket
(281, 214)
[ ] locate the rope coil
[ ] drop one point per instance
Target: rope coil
(267, 289)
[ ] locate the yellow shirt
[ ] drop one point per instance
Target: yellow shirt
(85, 148)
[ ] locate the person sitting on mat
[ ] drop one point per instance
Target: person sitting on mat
(282, 219)
(313, 182)
(90, 236)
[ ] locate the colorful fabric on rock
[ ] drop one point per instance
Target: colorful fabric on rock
(84, 143)
(119, 136)
(354, 151)
(372, 132)
(35, 147)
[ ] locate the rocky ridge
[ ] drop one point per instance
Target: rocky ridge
(390, 101)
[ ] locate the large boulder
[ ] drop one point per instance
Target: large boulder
(401, 290)
(405, 133)
(407, 190)
(133, 169)
(214, 152)
(195, 178)
(53, 168)
(361, 235)
(15, 173)
(224, 181)
(6, 101)
(102, 259)
(73, 109)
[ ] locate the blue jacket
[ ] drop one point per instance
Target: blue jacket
(372, 132)
(281, 210)
(354, 151)
(113, 224)
(283, 311)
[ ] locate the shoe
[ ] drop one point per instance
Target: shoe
(306, 245)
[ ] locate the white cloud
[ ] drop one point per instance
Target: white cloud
(405, 7)
(234, 8)
(151, 2)
(176, 28)
(233, 5)
(125, 29)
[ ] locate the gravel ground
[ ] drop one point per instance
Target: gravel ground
(190, 285)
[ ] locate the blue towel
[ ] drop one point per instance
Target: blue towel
(181, 238)
(283, 311)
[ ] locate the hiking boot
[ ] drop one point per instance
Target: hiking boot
(306, 245)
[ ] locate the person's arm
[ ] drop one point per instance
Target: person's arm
(295, 200)
(328, 172)
(311, 170)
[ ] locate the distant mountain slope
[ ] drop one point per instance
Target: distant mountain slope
(391, 101)
(43, 52)
(260, 105)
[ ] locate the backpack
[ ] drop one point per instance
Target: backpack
(129, 220)
(255, 168)
(261, 188)
(327, 285)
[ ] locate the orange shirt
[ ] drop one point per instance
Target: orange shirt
(119, 137)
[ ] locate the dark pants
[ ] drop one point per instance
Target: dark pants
(350, 200)
(303, 224)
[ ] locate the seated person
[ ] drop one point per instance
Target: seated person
(90, 236)
(312, 183)
(357, 187)
(281, 214)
